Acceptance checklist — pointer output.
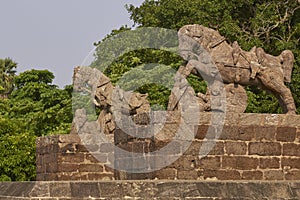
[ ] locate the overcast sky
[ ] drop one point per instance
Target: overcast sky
(57, 34)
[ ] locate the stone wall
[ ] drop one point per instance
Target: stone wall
(251, 147)
(63, 157)
(158, 190)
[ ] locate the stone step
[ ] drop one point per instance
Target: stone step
(151, 189)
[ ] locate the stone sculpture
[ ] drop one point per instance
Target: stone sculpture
(108, 98)
(238, 67)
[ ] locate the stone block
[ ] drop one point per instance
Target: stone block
(210, 163)
(89, 148)
(144, 131)
(161, 161)
(140, 147)
(298, 136)
(290, 163)
(141, 176)
(51, 167)
(168, 132)
(231, 118)
(106, 148)
(58, 189)
(70, 158)
(265, 148)
(120, 136)
(51, 176)
(218, 149)
(222, 174)
(293, 175)
(274, 175)
(166, 174)
(295, 188)
(169, 148)
(96, 158)
(246, 133)
(269, 163)
(250, 119)
(68, 167)
(100, 176)
(201, 131)
(110, 190)
(291, 149)
(229, 132)
(286, 134)
(236, 148)
(68, 139)
(67, 148)
(186, 162)
(90, 168)
(187, 175)
(125, 147)
(80, 148)
(236, 133)
(133, 163)
(85, 189)
(265, 133)
(41, 189)
(291, 121)
(252, 175)
(194, 148)
(108, 169)
(271, 119)
(72, 176)
(240, 163)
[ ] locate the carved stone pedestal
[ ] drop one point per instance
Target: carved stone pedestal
(250, 147)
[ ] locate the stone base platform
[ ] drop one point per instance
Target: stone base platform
(156, 189)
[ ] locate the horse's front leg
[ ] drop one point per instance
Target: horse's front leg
(272, 82)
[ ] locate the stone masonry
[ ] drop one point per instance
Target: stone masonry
(63, 157)
(157, 190)
(251, 147)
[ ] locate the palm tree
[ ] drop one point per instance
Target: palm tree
(7, 74)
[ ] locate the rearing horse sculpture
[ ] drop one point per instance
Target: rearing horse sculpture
(241, 67)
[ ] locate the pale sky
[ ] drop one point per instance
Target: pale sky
(57, 34)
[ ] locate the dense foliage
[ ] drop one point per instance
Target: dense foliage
(34, 108)
(273, 25)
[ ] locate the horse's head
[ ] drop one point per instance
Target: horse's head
(194, 38)
(195, 30)
(188, 47)
(285, 61)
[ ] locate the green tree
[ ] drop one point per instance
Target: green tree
(113, 55)
(17, 147)
(7, 73)
(273, 25)
(43, 106)
(36, 107)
